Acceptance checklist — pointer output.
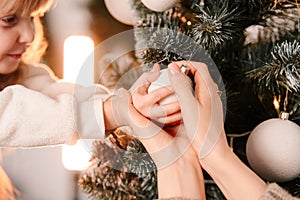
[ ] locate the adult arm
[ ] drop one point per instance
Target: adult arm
(203, 119)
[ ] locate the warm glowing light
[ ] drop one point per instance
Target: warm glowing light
(76, 157)
(79, 69)
(79, 60)
(276, 104)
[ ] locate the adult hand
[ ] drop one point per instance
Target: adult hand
(202, 111)
(203, 120)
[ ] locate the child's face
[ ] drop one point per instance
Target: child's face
(16, 33)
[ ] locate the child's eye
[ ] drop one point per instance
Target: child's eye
(9, 20)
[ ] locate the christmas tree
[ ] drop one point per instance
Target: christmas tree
(255, 46)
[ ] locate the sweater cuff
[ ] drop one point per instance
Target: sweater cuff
(275, 192)
(91, 120)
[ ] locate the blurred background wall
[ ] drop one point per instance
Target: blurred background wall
(78, 17)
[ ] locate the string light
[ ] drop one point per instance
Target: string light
(276, 103)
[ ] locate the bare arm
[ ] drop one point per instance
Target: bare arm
(232, 176)
(204, 116)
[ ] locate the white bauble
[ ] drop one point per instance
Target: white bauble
(120, 10)
(160, 5)
(273, 149)
(163, 81)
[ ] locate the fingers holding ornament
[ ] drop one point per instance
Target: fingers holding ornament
(156, 99)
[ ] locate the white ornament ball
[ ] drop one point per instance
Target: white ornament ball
(163, 81)
(121, 10)
(273, 149)
(160, 5)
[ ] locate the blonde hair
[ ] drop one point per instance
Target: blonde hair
(39, 45)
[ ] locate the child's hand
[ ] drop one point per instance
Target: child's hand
(148, 103)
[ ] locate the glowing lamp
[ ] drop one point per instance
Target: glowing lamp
(79, 69)
(76, 157)
(79, 60)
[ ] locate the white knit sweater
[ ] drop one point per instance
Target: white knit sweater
(44, 111)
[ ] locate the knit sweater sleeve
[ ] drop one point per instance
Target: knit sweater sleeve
(275, 192)
(45, 111)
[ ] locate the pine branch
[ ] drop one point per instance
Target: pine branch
(217, 25)
(167, 45)
(277, 24)
(212, 29)
(281, 73)
(148, 23)
(285, 4)
(122, 169)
